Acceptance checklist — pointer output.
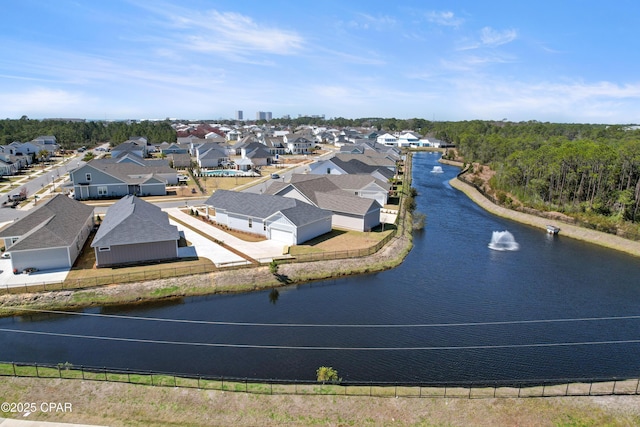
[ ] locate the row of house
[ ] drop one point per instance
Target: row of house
(53, 234)
(19, 155)
(346, 192)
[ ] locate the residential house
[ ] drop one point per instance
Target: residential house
(211, 155)
(298, 144)
(348, 210)
(176, 148)
(130, 147)
(285, 220)
(134, 231)
(114, 178)
(361, 185)
(387, 139)
(336, 166)
(47, 142)
(179, 161)
(409, 139)
(50, 236)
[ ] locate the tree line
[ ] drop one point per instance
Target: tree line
(588, 170)
(71, 135)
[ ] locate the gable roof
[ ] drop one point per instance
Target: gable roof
(326, 195)
(130, 172)
(55, 223)
(346, 181)
(250, 204)
(132, 220)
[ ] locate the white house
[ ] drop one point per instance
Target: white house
(277, 218)
(387, 139)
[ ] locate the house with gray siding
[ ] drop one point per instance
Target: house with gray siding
(134, 231)
(50, 236)
(348, 210)
(114, 178)
(285, 220)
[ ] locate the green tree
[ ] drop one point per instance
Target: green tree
(326, 374)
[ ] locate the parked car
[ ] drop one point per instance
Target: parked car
(6, 255)
(275, 176)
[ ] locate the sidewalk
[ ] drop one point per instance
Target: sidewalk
(263, 251)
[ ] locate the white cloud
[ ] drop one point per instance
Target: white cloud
(230, 32)
(44, 102)
(491, 37)
(599, 102)
(365, 22)
(445, 18)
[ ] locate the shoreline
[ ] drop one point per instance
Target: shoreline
(599, 238)
(219, 282)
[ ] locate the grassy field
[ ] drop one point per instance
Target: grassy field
(121, 404)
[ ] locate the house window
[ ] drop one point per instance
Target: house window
(88, 176)
(102, 191)
(328, 171)
(250, 223)
(104, 249)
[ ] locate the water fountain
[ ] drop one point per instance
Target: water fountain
(437, 169)
(503, 241)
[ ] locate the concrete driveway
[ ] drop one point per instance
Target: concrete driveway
(263, 251)
(10, 280)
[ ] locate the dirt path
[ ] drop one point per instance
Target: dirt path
(599, 238)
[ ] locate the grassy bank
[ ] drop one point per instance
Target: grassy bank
(579, 233)
(123, 404)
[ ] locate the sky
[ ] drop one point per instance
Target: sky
(569, 61)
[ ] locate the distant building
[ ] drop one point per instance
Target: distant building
(264, 115)
(239, 115)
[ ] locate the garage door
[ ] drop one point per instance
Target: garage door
(282, 236)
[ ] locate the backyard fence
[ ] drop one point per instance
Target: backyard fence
(560, 387)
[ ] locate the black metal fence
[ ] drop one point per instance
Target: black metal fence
(560, 387)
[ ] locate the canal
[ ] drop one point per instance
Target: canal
(455, 310)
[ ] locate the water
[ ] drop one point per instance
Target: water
(453, 300)
(503, 241)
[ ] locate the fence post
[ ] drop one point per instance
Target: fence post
(82, 370)
(151, 373)
(613, 391)
(13, 364)
(590, 385)
(566, 391)
(175, 382)
(59, 372)
(543, 386)
(637, 384)
(37, 373)
(105, 373)
(198, 381)
(128, 376)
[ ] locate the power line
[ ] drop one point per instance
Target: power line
(328, 325)
(285, 347)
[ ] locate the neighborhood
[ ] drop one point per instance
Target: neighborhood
(335, 180)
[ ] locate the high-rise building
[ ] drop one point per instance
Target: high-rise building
(264, 115)
(239, 115)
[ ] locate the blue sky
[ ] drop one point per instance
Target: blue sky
(558, 61)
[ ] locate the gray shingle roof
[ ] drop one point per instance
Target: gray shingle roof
(55, 223)
(326, 195)
(264, 206)
(131, 220)
(250, 204)
(131, 172)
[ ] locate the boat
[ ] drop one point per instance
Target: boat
(437, 169)
(552, 229)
